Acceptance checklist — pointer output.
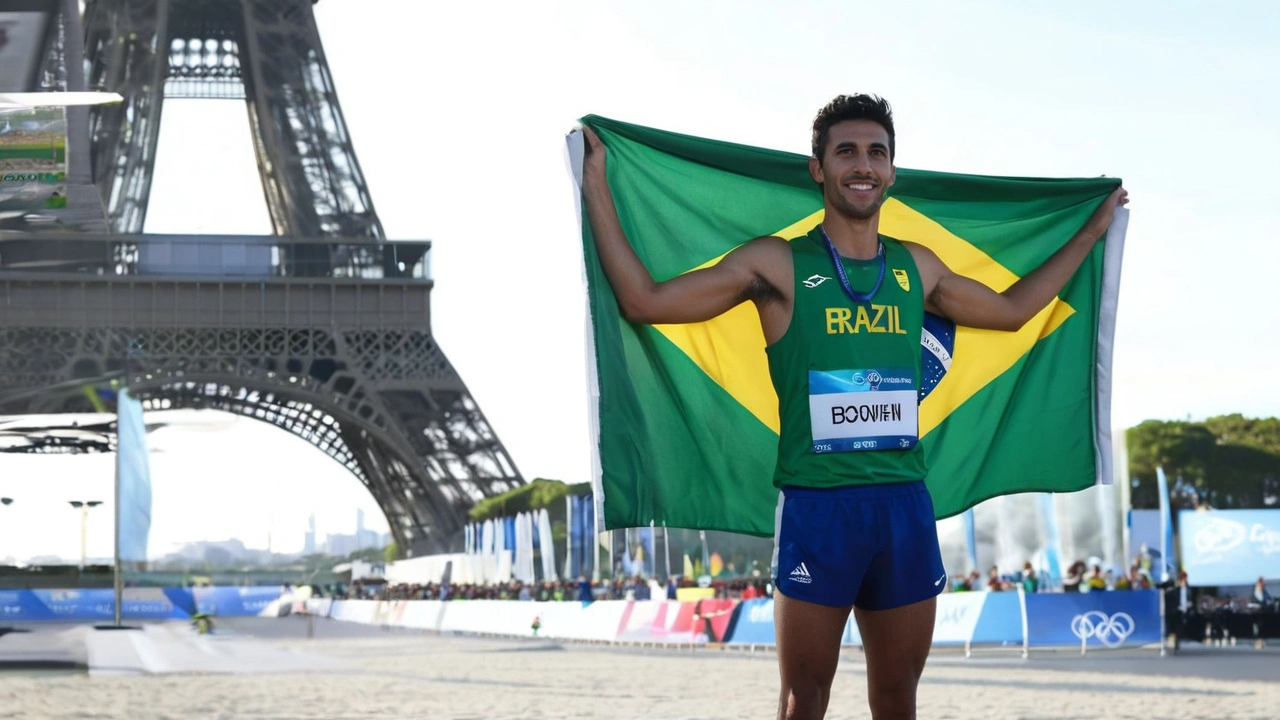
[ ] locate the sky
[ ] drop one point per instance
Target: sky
(458, 113)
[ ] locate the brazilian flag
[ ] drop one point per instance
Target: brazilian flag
(685, 415)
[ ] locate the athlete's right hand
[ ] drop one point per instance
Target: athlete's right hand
(593, 152)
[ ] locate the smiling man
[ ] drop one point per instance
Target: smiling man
(842, 312)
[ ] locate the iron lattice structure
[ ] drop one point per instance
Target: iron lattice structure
(321, 328)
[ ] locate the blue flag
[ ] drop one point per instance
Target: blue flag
(970, 539)
(133, 480)
(1166, 526)
(1053, 542)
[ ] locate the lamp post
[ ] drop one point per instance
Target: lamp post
(83, 507)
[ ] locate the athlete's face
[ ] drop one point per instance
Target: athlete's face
(855, 171)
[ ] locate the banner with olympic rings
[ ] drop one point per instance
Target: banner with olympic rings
(1095, 619)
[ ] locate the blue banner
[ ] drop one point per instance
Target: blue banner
(754, 624)
(99, 604)
(235, 601)
(1229, 547)
(22, 606)
(1098, 619)
(181, 598)
(133, 480)
(1001, 620)
(970, 539)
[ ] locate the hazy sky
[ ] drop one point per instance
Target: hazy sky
(458, 113)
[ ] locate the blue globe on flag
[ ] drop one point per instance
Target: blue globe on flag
(937, 343)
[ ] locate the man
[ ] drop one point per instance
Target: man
(856, 525)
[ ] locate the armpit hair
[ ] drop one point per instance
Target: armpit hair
(760, 289)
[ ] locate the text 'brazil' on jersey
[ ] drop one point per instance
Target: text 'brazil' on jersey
(846, 373)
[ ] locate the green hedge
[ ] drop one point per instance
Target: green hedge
(540, 493)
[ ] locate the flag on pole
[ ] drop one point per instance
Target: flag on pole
(685, 416)
(970, 539)
(133, 478)
(546, 546)
(1053, 540)
(1166, 526)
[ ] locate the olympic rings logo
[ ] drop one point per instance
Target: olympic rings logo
(1110, 631)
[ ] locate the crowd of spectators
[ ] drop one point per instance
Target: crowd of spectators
(1080, 577)
(579, 590)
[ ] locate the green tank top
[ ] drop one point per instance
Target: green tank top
(847, 374)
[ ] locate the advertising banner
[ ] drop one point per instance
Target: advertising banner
(99, 605)
(1095, 619)
(33, 163)
(1000, 621)
(237, 601)
(1229, 547)
(22, 606)
(957, 617)
(755, 623)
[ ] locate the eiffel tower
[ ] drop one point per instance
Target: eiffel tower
(321, 328)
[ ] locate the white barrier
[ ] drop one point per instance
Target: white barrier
(957, 617)
(598, 621)
(360, 611)
(318, 606)
(1112, 619)
(494, 617)
(422, 614)
(466, 569)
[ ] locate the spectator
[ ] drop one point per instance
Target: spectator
(1123, 583)
(1074, 577)
(1260, 594)
(1030, 583)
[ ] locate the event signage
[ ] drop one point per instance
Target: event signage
(98, 604)
(1000, 622)
(754, 625)
(248, 600)
(1094, 619)
(957, 616)
(1229, 547)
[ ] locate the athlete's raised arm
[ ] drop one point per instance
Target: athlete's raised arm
(970, 303)
(747, 273)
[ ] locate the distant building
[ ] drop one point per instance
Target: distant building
(309, 540)
(340, 545)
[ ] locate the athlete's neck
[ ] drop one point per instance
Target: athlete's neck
(854, 238)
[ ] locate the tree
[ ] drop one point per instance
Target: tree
(1224, 462)
(369, 555)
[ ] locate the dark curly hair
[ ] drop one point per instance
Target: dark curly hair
(851, 107)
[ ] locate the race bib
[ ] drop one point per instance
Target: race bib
(872, 409)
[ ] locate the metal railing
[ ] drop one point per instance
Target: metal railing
(216, 256)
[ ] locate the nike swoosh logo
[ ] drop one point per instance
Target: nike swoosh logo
(939, 580)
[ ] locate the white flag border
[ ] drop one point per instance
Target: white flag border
(1112, 259)
(574, 153)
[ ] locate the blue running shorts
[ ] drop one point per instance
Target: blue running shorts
(873, 546)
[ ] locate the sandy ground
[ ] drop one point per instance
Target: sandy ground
(400, 674)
